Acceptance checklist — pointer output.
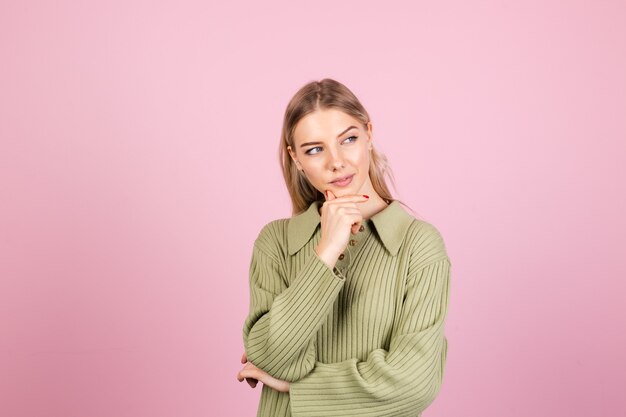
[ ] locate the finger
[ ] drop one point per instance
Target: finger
(244, 358)
(241, 376)
(251, 381)
(350, 198)
(354, 214)
(251, 373)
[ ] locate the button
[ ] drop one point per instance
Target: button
(361, 228)
(352, 242)
(341, 256)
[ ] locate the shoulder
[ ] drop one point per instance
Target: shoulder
(426, 243)
(272, 238)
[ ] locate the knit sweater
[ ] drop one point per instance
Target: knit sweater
(364, 338)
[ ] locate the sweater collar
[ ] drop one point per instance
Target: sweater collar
(391, 225)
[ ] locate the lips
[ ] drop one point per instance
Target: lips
(342, 178)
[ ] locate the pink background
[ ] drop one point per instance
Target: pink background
(138, 163)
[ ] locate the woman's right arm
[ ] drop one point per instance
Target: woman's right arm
(279, 332)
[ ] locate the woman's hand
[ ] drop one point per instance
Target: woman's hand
(340, 216)
(252, 374)
(251, 381)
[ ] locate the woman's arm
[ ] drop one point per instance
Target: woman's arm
(279, 331)
(401, 381)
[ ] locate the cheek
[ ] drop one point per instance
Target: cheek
(314, 172)
(363, 162)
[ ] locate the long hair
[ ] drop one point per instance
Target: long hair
(321, 95)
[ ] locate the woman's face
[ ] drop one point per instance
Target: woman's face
(330, 144)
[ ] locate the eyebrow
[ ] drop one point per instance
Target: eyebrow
(339, 135)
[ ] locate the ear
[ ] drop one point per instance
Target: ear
(292, 154)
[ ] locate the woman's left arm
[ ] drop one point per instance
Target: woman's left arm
(400, 381)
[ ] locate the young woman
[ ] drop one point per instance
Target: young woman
(348, 297)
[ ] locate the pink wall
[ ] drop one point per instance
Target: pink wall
(138, 162)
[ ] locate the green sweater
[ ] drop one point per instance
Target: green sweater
(365, 338)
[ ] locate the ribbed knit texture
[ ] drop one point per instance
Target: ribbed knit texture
(365, 338)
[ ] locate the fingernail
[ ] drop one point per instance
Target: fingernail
(366, 196)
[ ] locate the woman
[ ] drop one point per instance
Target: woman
(348, 297)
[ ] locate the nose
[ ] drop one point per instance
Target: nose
(335, 159)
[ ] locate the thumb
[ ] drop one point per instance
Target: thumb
(329, 195)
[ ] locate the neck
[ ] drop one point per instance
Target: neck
(374, 205)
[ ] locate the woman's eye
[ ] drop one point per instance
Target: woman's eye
(319, 147)
(311, 153)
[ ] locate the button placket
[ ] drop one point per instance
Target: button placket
(354, 245)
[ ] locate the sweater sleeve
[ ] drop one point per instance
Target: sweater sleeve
(400, 381)
(279, 331)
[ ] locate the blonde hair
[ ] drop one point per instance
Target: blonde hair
(320, 95)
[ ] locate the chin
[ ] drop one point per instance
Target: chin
(352, 189)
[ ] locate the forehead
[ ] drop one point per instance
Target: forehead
(323, 125)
